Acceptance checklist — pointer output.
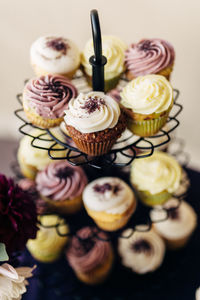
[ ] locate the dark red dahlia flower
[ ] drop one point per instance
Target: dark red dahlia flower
(18, 218)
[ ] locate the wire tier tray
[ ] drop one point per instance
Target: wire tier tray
(126, 149)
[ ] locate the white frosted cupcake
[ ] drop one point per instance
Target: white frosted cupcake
(147, 101)
(54, 55)
(142, 252)
(156, 177)
(114, 50)
(94, 122)
(197, 294)
(110, 202)
(179, 226)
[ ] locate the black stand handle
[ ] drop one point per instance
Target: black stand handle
(97, 60)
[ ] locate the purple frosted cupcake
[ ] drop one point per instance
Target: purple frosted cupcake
(91, 258)
(45, 98)
(61, 186)
(149, 56)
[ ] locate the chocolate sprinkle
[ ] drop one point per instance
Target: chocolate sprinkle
(93, 104)
(107, 187)
(173, 214)
(64, 172)
(142, 246)
(146, 46)
(58, 45)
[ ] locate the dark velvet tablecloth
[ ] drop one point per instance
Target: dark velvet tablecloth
(177, 279)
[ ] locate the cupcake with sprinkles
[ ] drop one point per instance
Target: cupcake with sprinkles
(142, 252)
(54, 55)
(149, 56)
(177, 229)
(61, 185)
(90, 255)
(110, 202)
(45, 98)
(94, 122)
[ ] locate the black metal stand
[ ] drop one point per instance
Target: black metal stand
(97, 60)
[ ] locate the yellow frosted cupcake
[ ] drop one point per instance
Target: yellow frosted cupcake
(156, 177)
(45, 98)
(61, 185)
(143, 252)
(110, 202)
(54, 55)
(113, 49)
(32, 159)
(49, 245)
(90, 256)
(178, 227)
(147, 101)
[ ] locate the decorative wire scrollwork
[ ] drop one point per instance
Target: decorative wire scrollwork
(126, 149)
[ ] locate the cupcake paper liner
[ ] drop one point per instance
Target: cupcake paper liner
(94, 149)
(147, 127)
(41, 122)
(153, 199)
(108, 84)
(42, 72)
(64, 207)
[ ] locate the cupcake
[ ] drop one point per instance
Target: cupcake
(113, 49)
(143, 252)
(179, 226)
(18, 219)
(54, 55)
(149, 56)
(61, 185)
(110, 202)
(32, 159)
(90, 255)
(45, 98)
(156, 177)
(94, 122)
(50, 240)
(197, 294)
(147, 102)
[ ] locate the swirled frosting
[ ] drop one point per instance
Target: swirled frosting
(55, 54)
(180, 223)
(36, 157)
(143, 252)
(197, 294)
(49, 95)
(156, 173)
(87, 252)
(48, 242)
(108, 194)
(60, 181)
(149, 56)
(92, 112)
(113, 49)
(13, 281)
(147, 94)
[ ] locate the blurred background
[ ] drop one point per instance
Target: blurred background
(22, 21)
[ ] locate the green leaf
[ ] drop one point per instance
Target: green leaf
(3, 253)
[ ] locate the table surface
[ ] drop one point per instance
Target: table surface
(177, 278)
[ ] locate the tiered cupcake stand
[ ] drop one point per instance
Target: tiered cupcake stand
(130, 148)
